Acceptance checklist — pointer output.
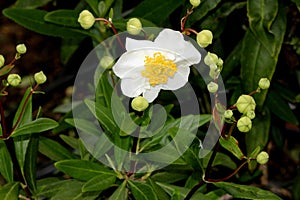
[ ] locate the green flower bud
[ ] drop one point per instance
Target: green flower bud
(139, 104)
(212, 87)
(220, 63)
(204, 38)
(211, 59)
(228, 114)
(14, 79)
(86, 19)
(245, 103)
(21, 48)
(106, 62)
(262, 158)
(195, 3)
(134, 26)
(244, 124)
(40, 77)
(250, 114)
(2, 60)
(264, 83)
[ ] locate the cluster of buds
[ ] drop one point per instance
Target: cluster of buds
(15, 79)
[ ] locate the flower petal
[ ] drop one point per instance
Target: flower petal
(151, 94)
(133, 87)
(179, 80)
(132, 44)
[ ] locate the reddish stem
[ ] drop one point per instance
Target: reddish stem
(113, 29)
(183, 20)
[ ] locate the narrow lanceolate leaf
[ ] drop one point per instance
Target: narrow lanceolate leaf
(54, 150)
(82, 169)
(9, 191)
(142, 191)
(6, 169)
(99, 183)
(36, 126)
(63, 17)
(262, 44)
(231, 144)
(156, 10)
(246, 192)
(30, 163)
(120, 193)
(33, 20)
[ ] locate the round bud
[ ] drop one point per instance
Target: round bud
(264, 83)
(21, 48)
(220, 63)
(245, 103)
(228, 114)
(210, 59)
(40, 77)
(139, 104)
(262, 158)
(250, 114)
(134, 26)
(106, 62)
(244, 124)
(212, 87)
(2, 60)
(195, 3)
(204, 38)
(86, 19)
(14, 79)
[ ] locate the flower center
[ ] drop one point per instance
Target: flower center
(158, 69)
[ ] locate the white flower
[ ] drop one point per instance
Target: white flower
(147, 67)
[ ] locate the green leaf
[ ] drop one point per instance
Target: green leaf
(262, 44)
(30, 167)
(37, 126)
(161, 194)
(142, 191)
(99, 183)
(6, 169)
(120, 193)
(70, 140)
(156, 11)
(259, 134)
(246, 192)
(33, 20)
(82, 169)
(168, 177)
(31, 3)
(63, 17)
(220, 159)
(201, 11)
(54, 150)
(280, 108)
(23, 116)
(232, 145)
(170, 189)
(9, 191)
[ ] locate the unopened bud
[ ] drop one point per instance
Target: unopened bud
(211, 58)
(86, 19)
(14, 79)
(212, 87)
(204, 38)
(262, 158)
(250, 114)
(264, 83)
(195, 3)
(40, 77)
(139, 104)
(106, 62)
(228, 114)
(245, 103)
(244, 124)
(2, 60)
(21, 48)
(134, 26)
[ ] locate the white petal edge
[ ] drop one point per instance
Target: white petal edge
(133, 87)
(151, 94)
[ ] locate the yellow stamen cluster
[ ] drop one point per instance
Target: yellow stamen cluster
(158, 69)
